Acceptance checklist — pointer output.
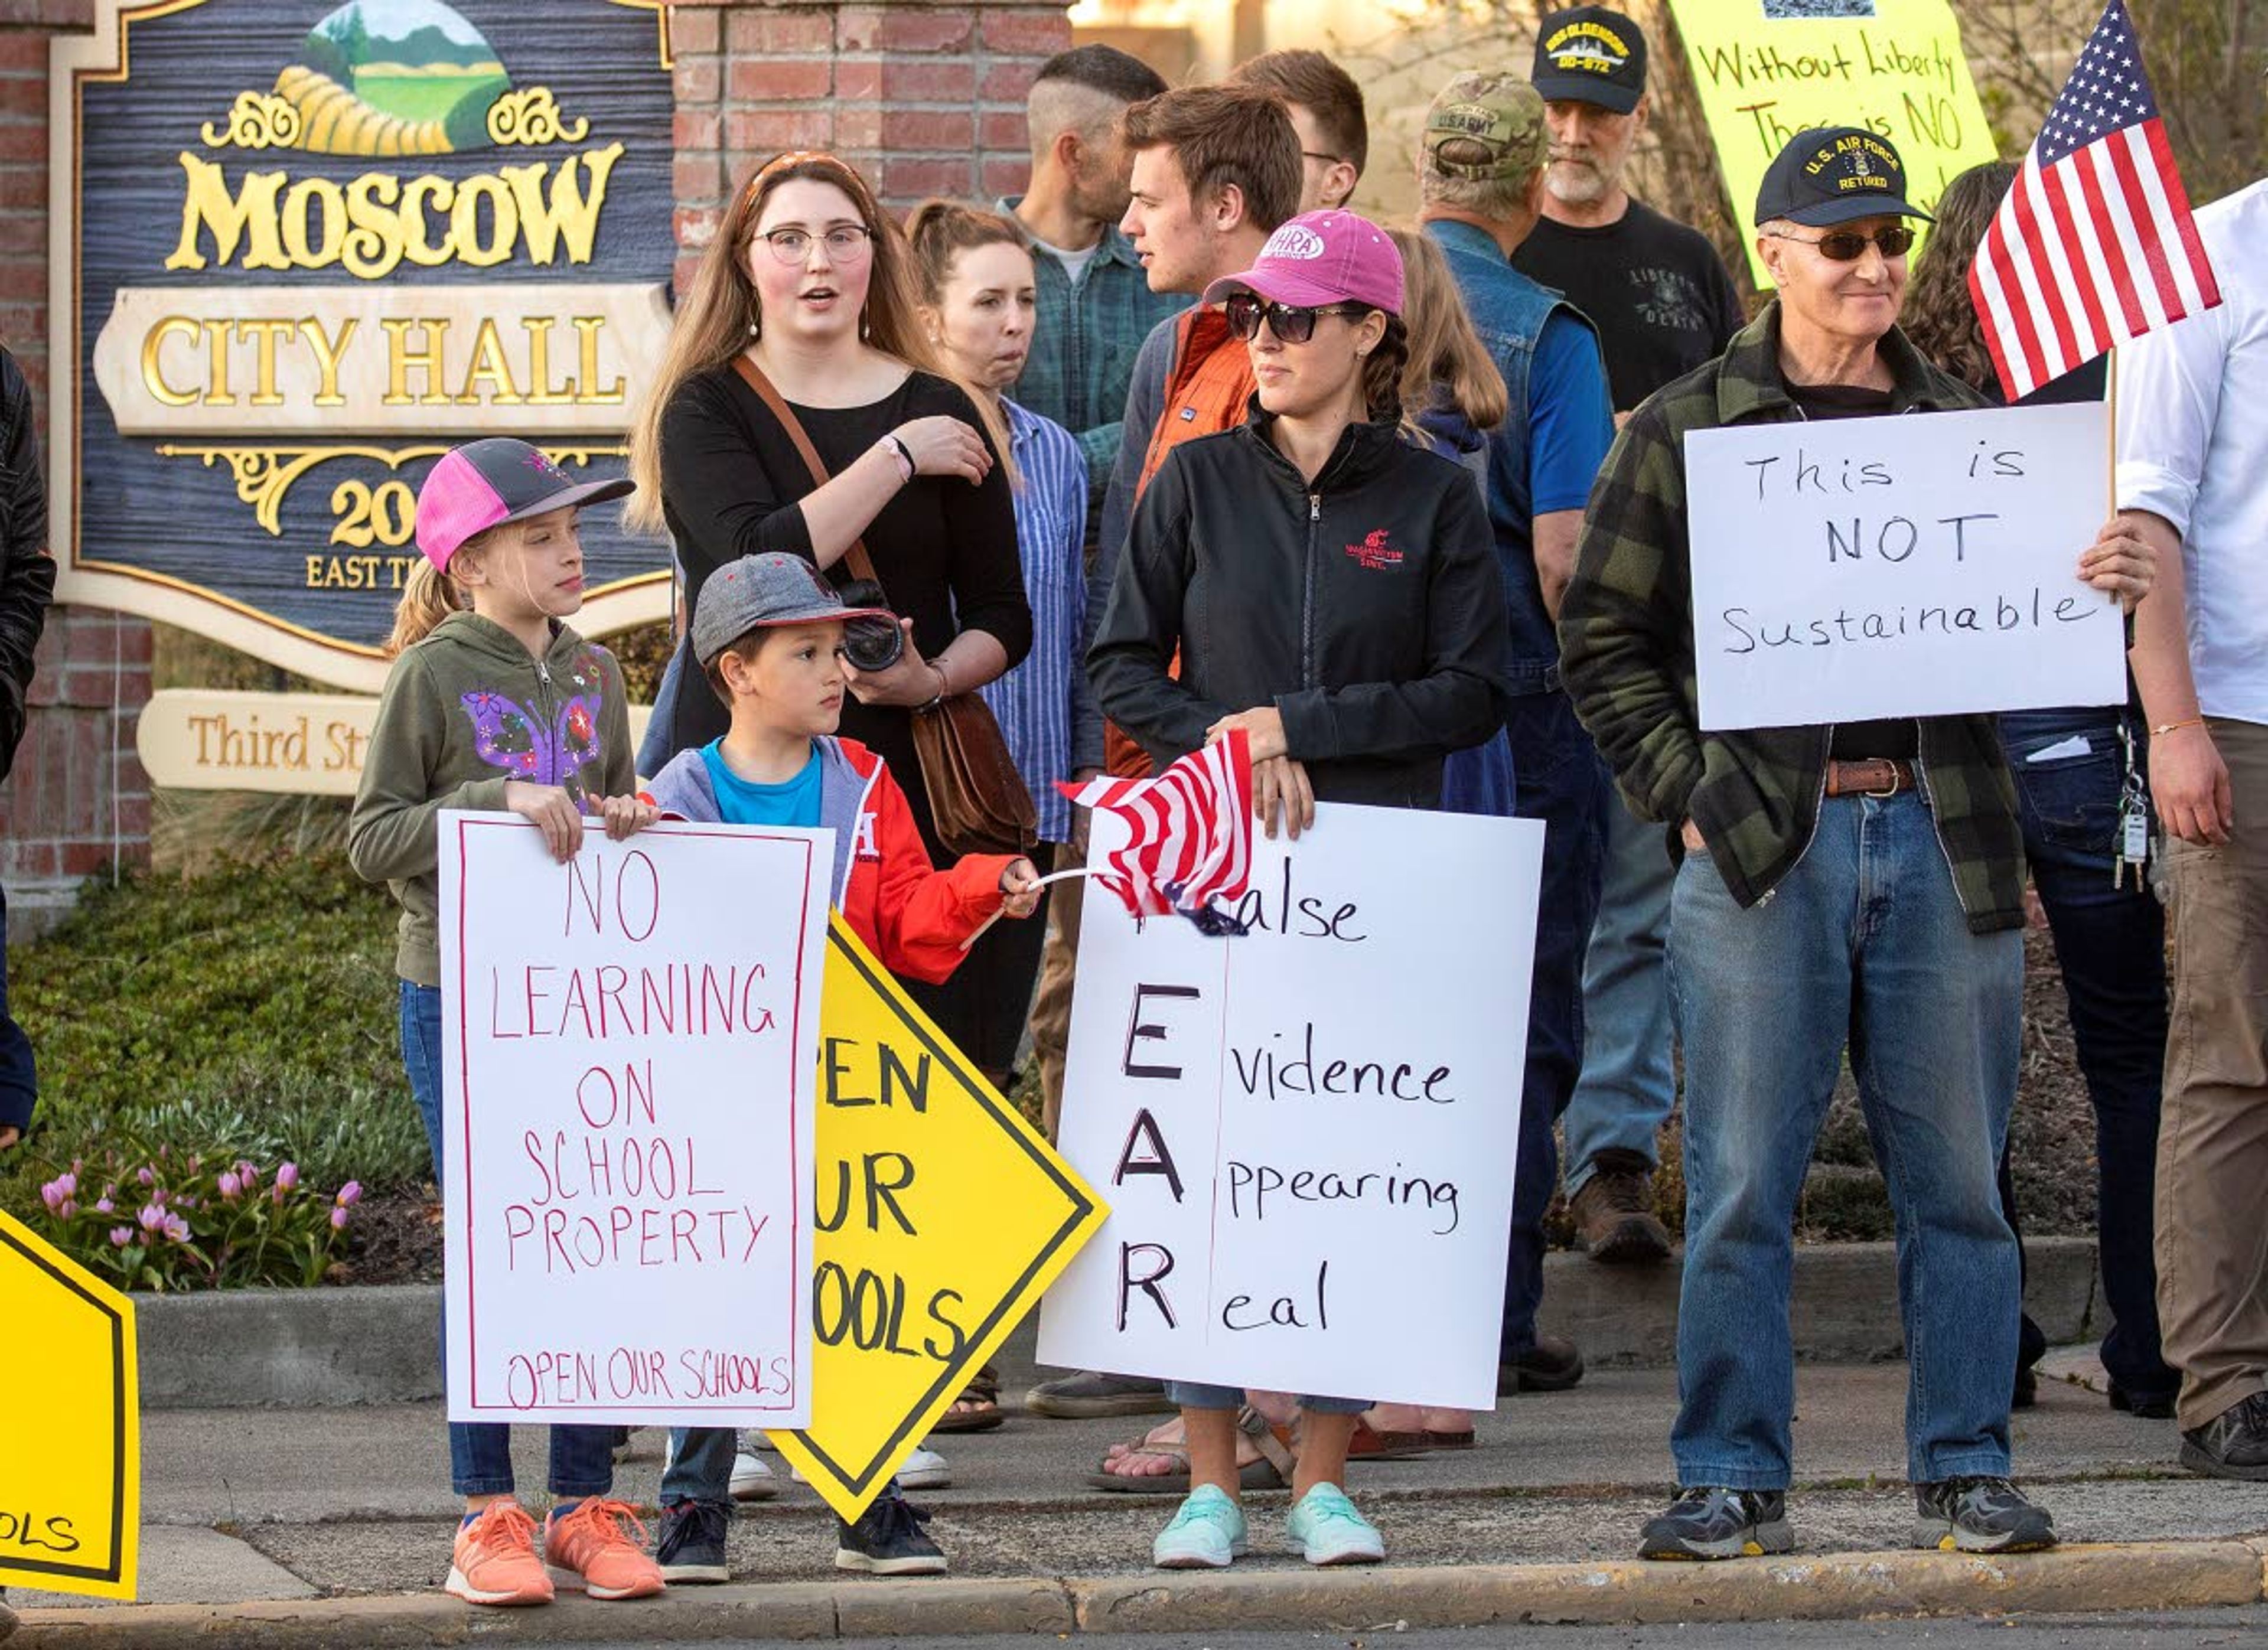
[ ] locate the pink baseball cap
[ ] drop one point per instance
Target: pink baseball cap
(483, 484)
(1319, 258)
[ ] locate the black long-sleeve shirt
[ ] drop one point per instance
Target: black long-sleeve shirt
(731, 483)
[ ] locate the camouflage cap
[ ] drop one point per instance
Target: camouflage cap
(1500, 113)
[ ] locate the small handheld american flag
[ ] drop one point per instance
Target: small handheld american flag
(2094, 244)
(1191, 834)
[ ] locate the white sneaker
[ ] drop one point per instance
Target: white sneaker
(924, 1470)
(752, 1479)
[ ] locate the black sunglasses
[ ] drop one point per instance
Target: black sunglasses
(1290, 323)
(1848, 245)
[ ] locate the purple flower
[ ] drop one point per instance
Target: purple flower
(152, 1217)
(287, 1177)
(120, 1236)
(177, 1228)
(339, 1220)
(249, 1174)
(52, 1195)
(146, 1176)
(231, 1188)
(103, 1206)
(349, 1194)
(70, 1184)
(67, 1210)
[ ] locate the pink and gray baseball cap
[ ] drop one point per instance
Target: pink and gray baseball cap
(484, 484)
(1319, 258)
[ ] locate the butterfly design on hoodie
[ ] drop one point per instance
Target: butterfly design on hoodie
(510, 736)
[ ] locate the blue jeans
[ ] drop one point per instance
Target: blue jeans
(1628, 1084)
(1562, 781)
(660, 741)
(1198, 1395)
(2111, 944)
(1864, 943)
(480, 1452)
(19, 1074)
(700, 1464)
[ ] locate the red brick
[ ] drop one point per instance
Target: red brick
(911, 178)
(1010, 81)
(907, 29)
(34, 861)
(1004, 174)
(23, 143)
(134, 818)
(946, 131)
(697, 131)
(696, 229)
(71, 14)
(23, 188)
(1040, 31)
(23, 235)
(937, 80)
(698, 80)
(84, 858)
(25, 51)
(1006, 132)
(698, 178)
(779, 80)
(768, 131)
(139, 645)
(694, 29)
(753, 30)
(683, 272)
(857, 126)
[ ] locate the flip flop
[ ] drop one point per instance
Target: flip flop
(983, 1390)
(1272, 1471)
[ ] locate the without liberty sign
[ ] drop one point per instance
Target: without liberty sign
(1308, 1134)
(628, 1106)
(1859, 567)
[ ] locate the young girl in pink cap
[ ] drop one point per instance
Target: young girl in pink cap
(493, 702)
(1332, 587)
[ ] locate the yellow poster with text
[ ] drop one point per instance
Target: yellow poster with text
(1769, 69)
(941, 1216)
(71, 1474)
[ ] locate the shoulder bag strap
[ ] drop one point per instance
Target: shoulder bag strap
(862, 565)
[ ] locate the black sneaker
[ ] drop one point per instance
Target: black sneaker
(1979, 1515)
(691, 1546)
(1552, 1363)
(1704, 1523)
(2232, 1444)
(2146, 1406)
(888, 1540)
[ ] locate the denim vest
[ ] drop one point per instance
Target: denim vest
(1508, 311)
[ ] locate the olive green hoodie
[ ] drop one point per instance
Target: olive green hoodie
(466, 711)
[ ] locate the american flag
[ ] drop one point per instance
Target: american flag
(1191, 841)
(2094, 244)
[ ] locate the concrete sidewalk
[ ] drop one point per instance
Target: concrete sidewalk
(333, 1525)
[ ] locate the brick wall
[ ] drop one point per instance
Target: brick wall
(78, 794)
(925, 99)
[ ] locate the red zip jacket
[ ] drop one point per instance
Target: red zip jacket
(911, 915)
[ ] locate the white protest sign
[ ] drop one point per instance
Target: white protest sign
(629, 1048)
(1921, 565)
(1307, 1133)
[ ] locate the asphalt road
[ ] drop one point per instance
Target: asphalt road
(2185, 1630)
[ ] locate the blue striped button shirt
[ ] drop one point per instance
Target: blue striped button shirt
(1034, 702)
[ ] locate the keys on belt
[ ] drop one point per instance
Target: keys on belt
(1876, 777)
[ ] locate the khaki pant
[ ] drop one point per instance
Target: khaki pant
(2212, 1138)
(1051, 1006)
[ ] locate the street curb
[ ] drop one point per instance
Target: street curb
(2157, 1575)
(311, 1348)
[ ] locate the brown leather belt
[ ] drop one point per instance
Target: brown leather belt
(1876, 775)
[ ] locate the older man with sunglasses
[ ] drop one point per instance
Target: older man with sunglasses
(1859, 884)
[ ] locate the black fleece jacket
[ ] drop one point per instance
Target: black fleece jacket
(1366, 607)
(27, 575)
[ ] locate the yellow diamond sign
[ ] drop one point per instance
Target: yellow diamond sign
(70, 1472)
(942, 1217)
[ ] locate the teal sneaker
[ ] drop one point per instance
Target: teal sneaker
(1325, 1528)
(1206, 1535)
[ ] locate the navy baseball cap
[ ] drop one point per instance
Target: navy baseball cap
(1590, 55)
(484, 484)
(1834, 174)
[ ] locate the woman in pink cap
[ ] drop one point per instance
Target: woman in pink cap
(1332, 587)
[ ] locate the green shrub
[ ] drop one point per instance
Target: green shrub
(248, 1013)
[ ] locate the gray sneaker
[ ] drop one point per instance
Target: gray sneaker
(1974, 1514)
(1090, 1394)
(1710, 1523)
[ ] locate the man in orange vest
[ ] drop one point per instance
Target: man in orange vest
(1216, 170)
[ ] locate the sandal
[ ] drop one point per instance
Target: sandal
(1272, 1471)
(981, 1396)
(1369, 1444)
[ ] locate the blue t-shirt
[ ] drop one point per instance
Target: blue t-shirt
(791, 802)
(1571, 423)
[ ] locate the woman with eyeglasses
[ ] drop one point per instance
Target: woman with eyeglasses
(1332, 590)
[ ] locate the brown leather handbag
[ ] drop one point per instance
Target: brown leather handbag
(976, 799)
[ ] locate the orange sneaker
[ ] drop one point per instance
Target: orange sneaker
(590, 1548)
(495, 1562)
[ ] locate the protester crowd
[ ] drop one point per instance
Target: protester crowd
(1059, 465)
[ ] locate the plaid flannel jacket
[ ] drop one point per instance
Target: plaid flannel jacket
(1626, 657)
